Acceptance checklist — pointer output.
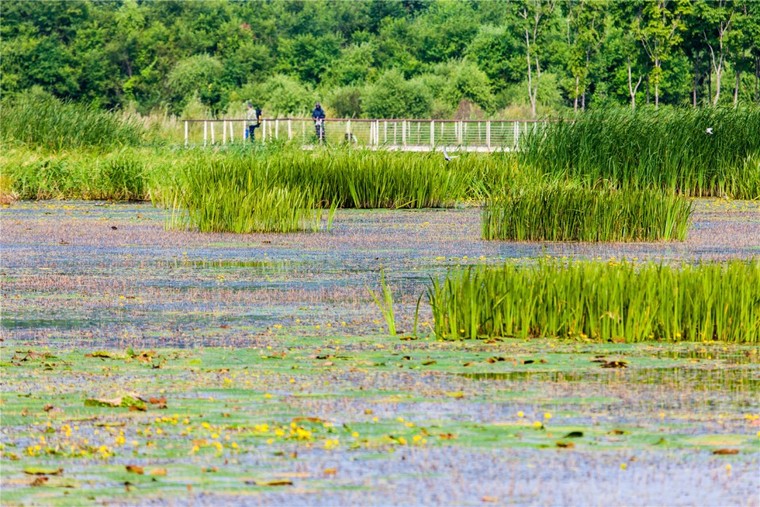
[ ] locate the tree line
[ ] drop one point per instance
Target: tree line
(383, 58)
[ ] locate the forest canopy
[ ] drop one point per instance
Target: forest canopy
(382, 58)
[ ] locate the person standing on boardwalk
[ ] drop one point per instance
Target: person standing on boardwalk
(318, 115)
(253, 120)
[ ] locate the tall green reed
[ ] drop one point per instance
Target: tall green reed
(669, 149)
(572, 213)
(41, 120)
(616, 301)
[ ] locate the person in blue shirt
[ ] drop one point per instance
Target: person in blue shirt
(318, 115)
(253, 117)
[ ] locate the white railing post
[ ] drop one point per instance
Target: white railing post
(488, 135)
(348, 131)
(277, 128)
(232, 132)
(187, 134)
(290, 129)
(205, 132)
(517, 134)
(213, 132)
(224, 131)
(403, 132)
(432, 133)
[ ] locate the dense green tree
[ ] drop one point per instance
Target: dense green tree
(519, 56)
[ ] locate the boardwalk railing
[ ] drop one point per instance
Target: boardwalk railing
(411, 135)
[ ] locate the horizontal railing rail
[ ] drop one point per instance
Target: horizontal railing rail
(398, 134)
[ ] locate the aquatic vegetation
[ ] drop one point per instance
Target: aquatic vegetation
(669, 149)
(572, 213)
(41, 120)
(385, 303)
(617, 301)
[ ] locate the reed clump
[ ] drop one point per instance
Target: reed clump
(40, 120)
(616, 301)
(210, 186)
(228, 197)
(695, 152)
(118, 175)
(573, 213)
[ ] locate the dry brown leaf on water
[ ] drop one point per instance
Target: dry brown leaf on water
(428, 363)
(275, 482)
(309, 419)
(330, 471)
(135, 469)
(614, 364)
(489, 499)
(455, 394)
(39, 481)
(43, 471)
(103, 354)
(725, 452)
(158, 472)
(565, 445)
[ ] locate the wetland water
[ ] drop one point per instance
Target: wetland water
(292, 318)
(111, 273)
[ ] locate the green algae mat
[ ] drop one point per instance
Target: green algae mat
(347, 419)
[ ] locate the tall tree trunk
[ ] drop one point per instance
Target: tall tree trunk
(657, 66)
(575, 102)
(695, 83)
(632, 89)
(647, 90)
(709, 85)
(718, 76)
(736, 87)
(532, 92)
(757, 79)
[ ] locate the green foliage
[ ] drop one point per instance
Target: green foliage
(392, 96)
(160, 54)
(200, 76)
(667, 149)
(39, 119)
(570, 213)
(601, 301)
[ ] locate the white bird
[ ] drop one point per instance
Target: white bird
(447, 156)
(709, 131)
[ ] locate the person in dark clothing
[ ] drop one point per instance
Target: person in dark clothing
(253, 117)
(318, 115)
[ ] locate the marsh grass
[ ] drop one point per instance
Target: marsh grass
(616, 301)
(41, 120)
(668, 149)
(252, 191)
(119, 175)
(572, 213)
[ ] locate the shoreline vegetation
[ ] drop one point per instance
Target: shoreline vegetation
(604, 176)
